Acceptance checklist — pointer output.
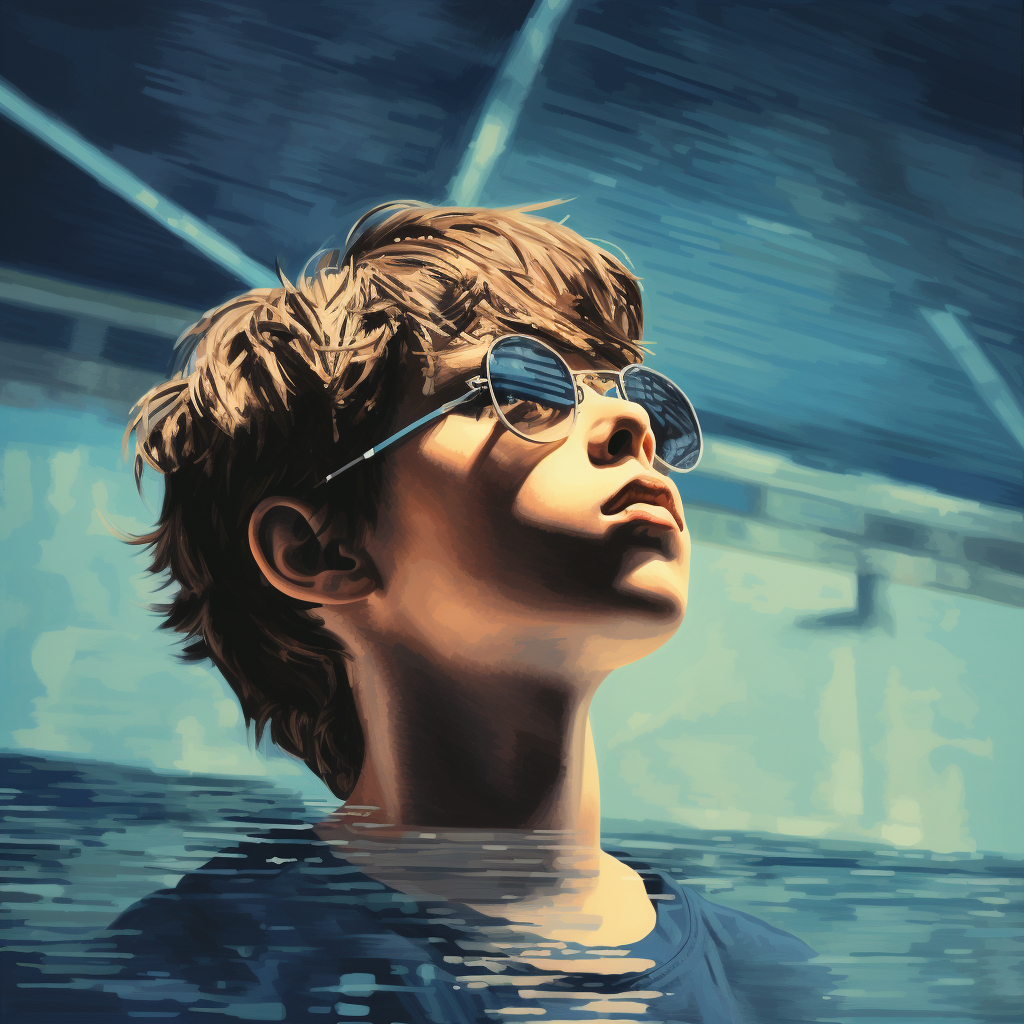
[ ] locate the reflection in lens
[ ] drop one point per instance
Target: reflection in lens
(533, 389)
(676, 430)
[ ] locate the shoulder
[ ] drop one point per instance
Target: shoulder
(225, 901)
(255, 915)
(269, 927)
(769, 972)
(242, 896)
(739, 935)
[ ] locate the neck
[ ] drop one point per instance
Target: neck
(498, 752)
(482, 789)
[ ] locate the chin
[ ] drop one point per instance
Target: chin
(654, 591)
(645, 624)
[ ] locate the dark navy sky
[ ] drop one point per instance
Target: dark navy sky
(794, 180)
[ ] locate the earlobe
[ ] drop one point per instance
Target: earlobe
(300, 554)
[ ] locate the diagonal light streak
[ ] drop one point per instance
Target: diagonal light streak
(985, 377)
(122, 182)
(505, 102)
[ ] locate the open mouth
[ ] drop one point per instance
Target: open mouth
(643, 492)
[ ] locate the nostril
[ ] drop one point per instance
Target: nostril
(650, 447)
(620, 441)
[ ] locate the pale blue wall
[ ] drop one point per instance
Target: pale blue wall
(87, 671)
(908, 732)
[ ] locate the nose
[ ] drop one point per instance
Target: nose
(616, 430)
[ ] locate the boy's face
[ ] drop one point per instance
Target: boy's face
(489, 547)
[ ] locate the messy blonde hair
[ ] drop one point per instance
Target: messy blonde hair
(283, 385)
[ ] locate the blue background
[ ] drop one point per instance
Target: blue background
(795, 182)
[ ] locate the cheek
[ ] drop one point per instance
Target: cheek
(489, 485)
(557, 495)
(444, 501)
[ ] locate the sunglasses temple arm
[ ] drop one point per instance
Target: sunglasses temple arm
(421, 422)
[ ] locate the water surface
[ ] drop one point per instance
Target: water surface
(905, 935)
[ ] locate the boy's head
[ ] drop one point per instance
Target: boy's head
(464, 545)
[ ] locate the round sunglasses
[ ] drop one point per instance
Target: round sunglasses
(537, 397)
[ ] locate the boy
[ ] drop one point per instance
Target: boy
(418, 506)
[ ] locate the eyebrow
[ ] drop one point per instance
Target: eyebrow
(459, 376)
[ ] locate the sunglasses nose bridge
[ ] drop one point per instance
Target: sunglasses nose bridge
(606, 424)
(608, 384)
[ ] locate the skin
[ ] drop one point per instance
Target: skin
(482, 614)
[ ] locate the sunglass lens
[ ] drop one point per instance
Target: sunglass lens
(676, 430)
(533, 389)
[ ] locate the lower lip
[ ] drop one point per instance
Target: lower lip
(653, 514)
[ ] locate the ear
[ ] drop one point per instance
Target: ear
(301, 555)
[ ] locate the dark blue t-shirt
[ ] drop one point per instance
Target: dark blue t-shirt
(280, 929)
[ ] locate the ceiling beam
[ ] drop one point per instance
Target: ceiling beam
(983, 375)
(506, 99)
(109, 173)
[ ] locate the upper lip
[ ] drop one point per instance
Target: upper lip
(646, 492)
